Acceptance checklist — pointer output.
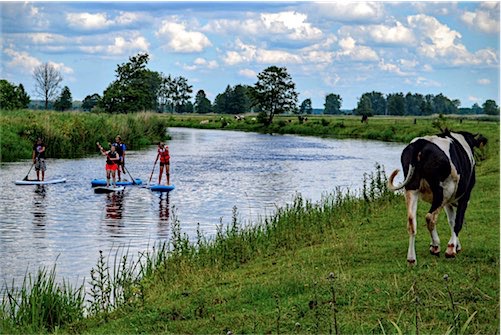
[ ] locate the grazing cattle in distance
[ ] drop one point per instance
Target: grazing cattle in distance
(440, 170)
(365, 118)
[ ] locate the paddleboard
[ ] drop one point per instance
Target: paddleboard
(102, 182)
(108, 189)
(36, 182)
(162, 188)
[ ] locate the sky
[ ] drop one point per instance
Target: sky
(345, 48)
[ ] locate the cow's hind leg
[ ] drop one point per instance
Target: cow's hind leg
(431, 223)
(411, 200)
(453, 246)
(431, 220)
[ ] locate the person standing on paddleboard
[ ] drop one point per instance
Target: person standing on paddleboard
(120, 148)
(112, 159)
(163, 154)
(38, 157)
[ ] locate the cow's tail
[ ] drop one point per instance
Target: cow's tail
(405, 182)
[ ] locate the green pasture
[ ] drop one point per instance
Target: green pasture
(337, 266)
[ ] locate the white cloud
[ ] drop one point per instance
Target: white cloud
(396, 33)
(201, 63)
(247, 53)
(485, 19)
(248, 73)
(179, 39)
(389, 67)
(473, 98)
(484, 81)
(119, 45)
(88, 21)
(292, 24)
(350, 11)
(62, 68)
(98, 21)
(352, 51)
(439, 42)
(288, 24)
(22, 60)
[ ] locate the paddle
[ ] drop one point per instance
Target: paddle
(32, 165)
(126, 170)
(152, 170)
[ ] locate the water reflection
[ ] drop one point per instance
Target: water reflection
(39, 209)
(163, 208)
(113, 211)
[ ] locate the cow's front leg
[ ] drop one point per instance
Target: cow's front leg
(431, 223)
(453, 246)
(411, 200)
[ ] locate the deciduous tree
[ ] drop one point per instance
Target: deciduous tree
(275, 93)
(333, 104)
(47, 81)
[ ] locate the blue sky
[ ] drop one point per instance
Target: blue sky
(346, 48)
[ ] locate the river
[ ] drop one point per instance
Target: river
(213, 171)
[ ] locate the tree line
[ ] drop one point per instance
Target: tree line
(137, 88)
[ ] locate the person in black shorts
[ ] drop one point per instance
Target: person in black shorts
(38, 157)
(120, 147)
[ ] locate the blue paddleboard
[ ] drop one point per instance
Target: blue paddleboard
(102, 182)
(162, 188)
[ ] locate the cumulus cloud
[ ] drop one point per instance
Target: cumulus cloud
(88, 21)
(119, 45)
(62, 68)
(248, 73)
(27, 63)
(485, 18)
(99, 21)
(291, 25)
(350, 11)
(396, 34)
(201, 63)
(246, 53)
(439, 42)
(352, 51)
(22, 60)
(484, 81)
(179, 39)
(392, 68)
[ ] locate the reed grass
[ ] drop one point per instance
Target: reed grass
(74, 134)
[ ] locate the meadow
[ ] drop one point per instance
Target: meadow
(336, 266)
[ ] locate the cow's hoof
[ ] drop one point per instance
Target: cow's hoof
(451, 251)
(435, 251)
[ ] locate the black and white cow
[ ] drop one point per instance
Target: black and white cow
(439, 169)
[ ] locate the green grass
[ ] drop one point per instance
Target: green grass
(336, 266)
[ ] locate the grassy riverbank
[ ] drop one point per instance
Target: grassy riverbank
(380, 128)
(336, 266)
(74, 134)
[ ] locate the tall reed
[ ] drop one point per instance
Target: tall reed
(41, 304)
(74, 134)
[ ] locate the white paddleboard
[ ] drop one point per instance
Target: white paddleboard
(37, 182)
(108, 189)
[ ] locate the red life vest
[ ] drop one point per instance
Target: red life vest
(164, 155)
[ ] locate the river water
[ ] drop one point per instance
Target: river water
(213, 171)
